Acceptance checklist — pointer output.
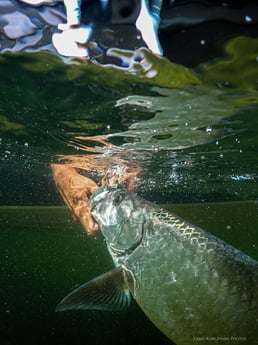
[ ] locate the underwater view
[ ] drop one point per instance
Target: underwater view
(184, 125)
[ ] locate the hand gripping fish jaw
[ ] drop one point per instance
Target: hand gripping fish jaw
(119, 213)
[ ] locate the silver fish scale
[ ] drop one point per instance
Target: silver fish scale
(187, 279)
(189, 283)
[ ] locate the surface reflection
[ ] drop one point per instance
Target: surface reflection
(200, 131)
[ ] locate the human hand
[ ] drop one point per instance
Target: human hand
(76, 191)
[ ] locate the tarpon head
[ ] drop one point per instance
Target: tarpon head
(121, 215)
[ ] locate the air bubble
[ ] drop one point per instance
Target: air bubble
(151, 74)
(248, 19)
(208, 129)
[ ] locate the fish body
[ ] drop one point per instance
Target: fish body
(189, 283)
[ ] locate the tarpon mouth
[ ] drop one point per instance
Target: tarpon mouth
(100, 193)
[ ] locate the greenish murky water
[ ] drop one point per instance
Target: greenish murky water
(194, 133)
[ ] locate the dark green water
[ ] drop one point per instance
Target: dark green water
(194, 132)
(44, 255)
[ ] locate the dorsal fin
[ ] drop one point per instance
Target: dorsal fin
(108, 291)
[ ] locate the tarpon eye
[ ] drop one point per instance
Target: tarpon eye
(117, 199)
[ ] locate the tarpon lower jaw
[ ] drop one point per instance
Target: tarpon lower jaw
(122, 224)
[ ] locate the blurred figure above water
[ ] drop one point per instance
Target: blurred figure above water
(111, 28)
(75, 36)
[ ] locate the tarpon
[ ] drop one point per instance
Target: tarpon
(192, 285)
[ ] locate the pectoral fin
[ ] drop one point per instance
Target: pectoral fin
(108, 291)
